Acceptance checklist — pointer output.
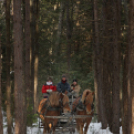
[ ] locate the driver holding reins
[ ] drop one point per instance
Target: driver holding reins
(63, 86)
(48, 87)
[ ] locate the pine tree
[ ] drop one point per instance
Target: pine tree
(27, 77)
(36, 56)
(116, 68)
(131, 52)
(1, 118)
(107, 59)
(59, 31)
(69, 27)
(18, 70)
(98, 69)
(8, 59)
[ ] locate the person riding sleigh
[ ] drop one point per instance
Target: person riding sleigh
(48, 87)
(75, 88)
(63, 86)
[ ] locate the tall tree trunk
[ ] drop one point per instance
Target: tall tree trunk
(32, 47)
(8, 57)
(27, 51)
(60, 27)
(69, 33)
(116, 68)
(98, 70)
(18, 75)
(126, 93)
(107, 59)
(131, 24)
(1, 118)
(27, 93)
(36, 60)
(126, 122)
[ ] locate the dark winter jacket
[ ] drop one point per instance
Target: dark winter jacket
(62, 87)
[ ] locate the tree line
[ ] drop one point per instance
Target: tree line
(91, 40)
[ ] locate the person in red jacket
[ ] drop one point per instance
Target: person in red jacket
(48, 87)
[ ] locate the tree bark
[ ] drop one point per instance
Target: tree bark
(126, 93)
(27, 51)
(98, 70)
(8, 57)
(36, 60)
(32, 47)
(116, 68)
(126, 122)
(60, 27)
(1, 118)
(107, 59)
(69, 25)
(18, 75)
(131, 24)
(27, 92)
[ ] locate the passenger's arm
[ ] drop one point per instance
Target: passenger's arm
(58, 87)
(43, 89)
(68, 88)
(55, 89)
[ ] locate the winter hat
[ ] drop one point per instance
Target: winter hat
(49, 79)
(74, 80)
(64, 76)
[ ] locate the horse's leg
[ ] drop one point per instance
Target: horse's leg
(81, 128)
(87, 125)
(86, 128)
(78, 128)
(50, 127)
(44, 131)
(78, 125)
(53, 130)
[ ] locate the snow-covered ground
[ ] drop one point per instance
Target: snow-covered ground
(94, 128)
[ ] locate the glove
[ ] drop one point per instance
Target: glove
(72, 91)
(49, 90)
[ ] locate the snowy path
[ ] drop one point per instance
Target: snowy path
(94, 128)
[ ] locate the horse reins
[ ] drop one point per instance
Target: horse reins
(60, 108)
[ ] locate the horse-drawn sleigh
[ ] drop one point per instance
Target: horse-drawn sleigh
(59, 113)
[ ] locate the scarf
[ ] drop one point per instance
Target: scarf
(49, 83)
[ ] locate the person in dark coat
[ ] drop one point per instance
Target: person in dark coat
(63, 86)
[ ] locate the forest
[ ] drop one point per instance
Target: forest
(88, 40)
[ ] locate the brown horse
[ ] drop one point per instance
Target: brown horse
(42, 103)
(83, 106)
(55, 104)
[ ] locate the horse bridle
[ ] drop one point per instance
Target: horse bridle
(61, 103)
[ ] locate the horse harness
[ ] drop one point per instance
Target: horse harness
(51, 108)
(81, 107)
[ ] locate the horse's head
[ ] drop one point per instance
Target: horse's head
(64, 101)
(87, 100)
(57, 99)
